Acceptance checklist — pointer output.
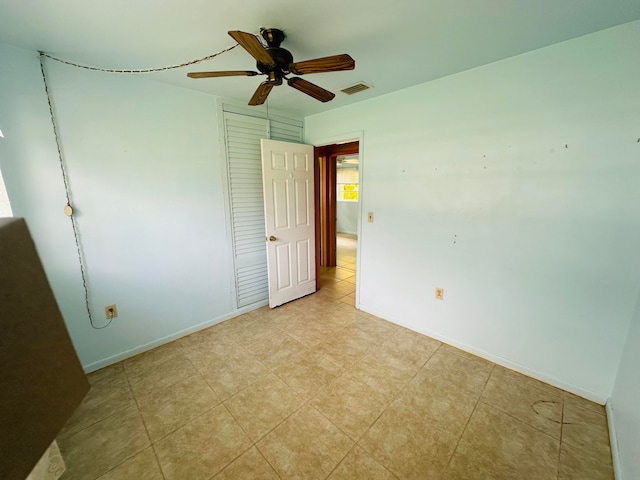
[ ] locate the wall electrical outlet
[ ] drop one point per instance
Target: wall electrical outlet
(440, 293)
(370, 217)
(111, 311)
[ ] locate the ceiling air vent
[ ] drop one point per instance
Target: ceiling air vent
(355, 88)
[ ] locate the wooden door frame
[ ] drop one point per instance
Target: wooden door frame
(326, 199)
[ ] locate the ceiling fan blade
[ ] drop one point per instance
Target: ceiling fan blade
(261, 94)
(335, 63)
(311, 89)
(228, 73)
(252, 45)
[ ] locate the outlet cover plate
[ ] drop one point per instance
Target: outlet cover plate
(107, 312)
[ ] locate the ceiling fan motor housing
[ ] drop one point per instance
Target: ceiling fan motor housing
(282, 58)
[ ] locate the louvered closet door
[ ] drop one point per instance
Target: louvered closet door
(285, 132)
(246, 201)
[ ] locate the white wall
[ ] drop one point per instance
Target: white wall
(513, 186)
(143, 161)
(347, 217)
(625, 402)
(347, 211)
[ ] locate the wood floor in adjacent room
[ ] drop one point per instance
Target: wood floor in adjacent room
(318, 389)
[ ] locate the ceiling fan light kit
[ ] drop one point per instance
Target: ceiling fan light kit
(276, 63)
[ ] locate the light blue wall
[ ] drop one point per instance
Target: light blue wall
(144, 164)
(625, 402)
(514, 187)
(347, 217)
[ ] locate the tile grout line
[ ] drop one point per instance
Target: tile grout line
(308, 401)
(220, 403)
(342, 459)
(267, 460)
(560, 446)
(578, 447)
(243, 451)
(191, 420)
(542, 391)
(304, 403)
(388, 404)
(152, 442)
(108, 417)
(470, 416)
(499, 409)
(223, 403)
(355, 442)
(63, 438)
(144, 423)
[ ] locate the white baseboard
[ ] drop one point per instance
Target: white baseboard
(613, 439)
(105, 362)
(599, 399)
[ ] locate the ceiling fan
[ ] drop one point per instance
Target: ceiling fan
(276, 63)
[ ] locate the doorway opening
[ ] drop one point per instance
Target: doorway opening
(347, 209)
(337, 184)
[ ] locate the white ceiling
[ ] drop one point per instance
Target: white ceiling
(395, 44)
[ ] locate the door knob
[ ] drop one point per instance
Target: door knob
(272, 238)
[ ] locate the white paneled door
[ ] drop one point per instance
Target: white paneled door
(287, 175)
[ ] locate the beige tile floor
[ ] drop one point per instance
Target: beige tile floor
(318, 389)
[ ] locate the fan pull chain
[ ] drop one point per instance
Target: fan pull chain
(68, 210)
(140, 71)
